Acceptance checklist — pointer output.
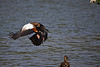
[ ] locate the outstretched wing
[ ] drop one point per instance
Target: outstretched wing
(26, 30)
(38, 38)
(20, 34)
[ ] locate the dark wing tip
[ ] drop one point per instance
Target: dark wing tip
(45, 36)
(11, 35)
(14, 35)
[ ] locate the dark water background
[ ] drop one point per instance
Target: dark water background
(74, 30)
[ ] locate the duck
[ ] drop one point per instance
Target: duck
(40, 33)
(65, 63)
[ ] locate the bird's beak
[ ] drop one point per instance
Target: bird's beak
(46, 30)
(35, 30)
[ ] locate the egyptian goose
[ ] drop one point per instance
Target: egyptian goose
(40, 33)
(65, 63)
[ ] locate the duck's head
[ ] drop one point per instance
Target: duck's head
(39, 27)
(65, 57)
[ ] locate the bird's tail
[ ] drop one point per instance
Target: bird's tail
(15, 35)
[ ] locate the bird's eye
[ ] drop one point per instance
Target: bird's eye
(35, 25)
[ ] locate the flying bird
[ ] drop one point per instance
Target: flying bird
(40, 33)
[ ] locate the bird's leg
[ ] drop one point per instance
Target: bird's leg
(38, 36)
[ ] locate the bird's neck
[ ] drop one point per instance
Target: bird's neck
(65, 59)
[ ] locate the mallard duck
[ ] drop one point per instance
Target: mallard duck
(65, 63)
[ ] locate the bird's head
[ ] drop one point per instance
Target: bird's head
(66, 57)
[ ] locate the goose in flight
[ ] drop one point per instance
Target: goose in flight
(40, 33)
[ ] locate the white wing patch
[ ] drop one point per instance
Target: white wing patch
(27, 26)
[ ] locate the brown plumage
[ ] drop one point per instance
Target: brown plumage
(40, 33)
(65, 63)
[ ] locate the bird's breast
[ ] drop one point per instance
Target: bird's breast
(27, 27)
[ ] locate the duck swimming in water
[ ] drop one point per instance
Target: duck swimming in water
(65, 63)
(40, 33)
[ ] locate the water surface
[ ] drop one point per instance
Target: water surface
(74, 30)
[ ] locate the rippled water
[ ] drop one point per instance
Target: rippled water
(74, 30)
